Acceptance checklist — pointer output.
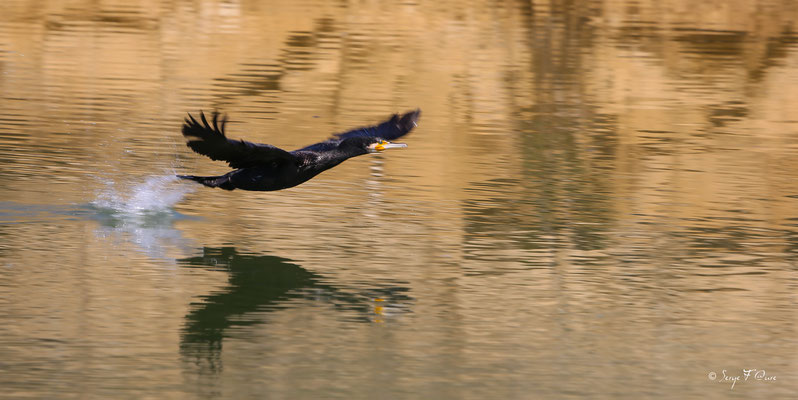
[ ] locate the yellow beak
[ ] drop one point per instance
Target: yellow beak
(385, 145)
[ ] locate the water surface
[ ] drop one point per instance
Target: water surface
(600, 201)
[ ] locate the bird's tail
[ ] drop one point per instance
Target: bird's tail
(211, 181)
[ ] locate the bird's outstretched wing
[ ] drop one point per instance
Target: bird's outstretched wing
(209, 140)
(391, 129)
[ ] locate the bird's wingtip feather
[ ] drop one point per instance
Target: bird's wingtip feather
(409, 120)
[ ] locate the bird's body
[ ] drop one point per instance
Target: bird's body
(264, 167)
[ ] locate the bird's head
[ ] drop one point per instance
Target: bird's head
(382, 145)
(369, 144)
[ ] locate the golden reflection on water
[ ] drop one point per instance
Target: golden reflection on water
(600, 199)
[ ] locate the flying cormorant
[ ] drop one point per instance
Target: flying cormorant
(265, 167)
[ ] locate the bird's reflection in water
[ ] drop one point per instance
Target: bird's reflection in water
(260, 284)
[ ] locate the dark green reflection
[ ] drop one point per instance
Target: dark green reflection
(256, 282)
(260, 284)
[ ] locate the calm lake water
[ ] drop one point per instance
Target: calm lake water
(601, 200)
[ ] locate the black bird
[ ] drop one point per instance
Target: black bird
(265, 167)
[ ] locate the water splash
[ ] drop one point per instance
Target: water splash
(143, 215)
(156, 196)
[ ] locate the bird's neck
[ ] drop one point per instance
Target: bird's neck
(334, 157)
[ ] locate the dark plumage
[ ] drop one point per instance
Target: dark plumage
(265, 167)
